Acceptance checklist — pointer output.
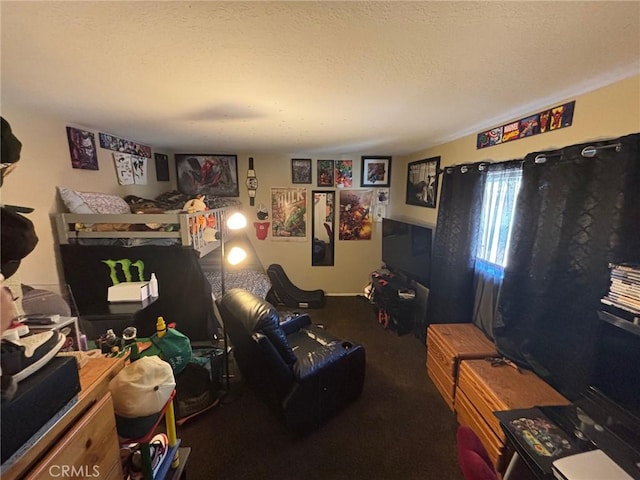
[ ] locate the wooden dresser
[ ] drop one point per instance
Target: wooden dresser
(483, 389)
(84, 442)
(447, 345)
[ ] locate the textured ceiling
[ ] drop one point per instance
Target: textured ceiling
(316, 78)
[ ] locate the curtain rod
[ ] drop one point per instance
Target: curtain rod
(464, 168)
(587, 152)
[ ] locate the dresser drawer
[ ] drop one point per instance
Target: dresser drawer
(89, 450)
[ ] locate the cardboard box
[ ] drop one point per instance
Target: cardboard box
(128, 292)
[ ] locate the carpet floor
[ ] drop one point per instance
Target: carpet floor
(400, 428)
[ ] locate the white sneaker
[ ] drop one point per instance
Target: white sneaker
(15, 331)
(25, 356)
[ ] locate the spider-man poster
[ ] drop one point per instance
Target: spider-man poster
(211, 175)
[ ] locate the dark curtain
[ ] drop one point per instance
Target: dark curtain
(574, 215)
(451, 294)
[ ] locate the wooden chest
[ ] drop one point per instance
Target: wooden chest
(447, 345)
(483, 389)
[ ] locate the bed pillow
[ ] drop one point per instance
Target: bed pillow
(92, 202)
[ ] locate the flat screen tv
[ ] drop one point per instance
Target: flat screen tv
(406, 249)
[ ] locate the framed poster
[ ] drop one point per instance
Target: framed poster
(162, 167)
(300, 170)
(289, 214)
(422, 182)
(325, 173)
(343, 176)
(207, 174)
(376, 171)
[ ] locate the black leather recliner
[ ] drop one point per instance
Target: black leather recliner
(304, 373)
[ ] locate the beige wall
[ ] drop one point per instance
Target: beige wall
(608, 112)
(45, 164)
(354, 260)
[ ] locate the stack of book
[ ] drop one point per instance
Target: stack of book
(624, 292)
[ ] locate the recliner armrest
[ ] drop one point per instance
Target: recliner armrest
(322, 358)
(295, 323)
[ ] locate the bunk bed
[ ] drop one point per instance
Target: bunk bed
(98, 250)
(194, 230)
(101, 243)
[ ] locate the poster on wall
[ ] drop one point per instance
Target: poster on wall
(289, 214)
(343, 173)
(122, 145)
(375, 170)
(162, 167)
(355, 214)
(82, 147)
(205, 174)
(130, 169)
(542, 122)
(124, 168)
(380, 204)
(325, 173)
(422, 182)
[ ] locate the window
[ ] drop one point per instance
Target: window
(498, 203)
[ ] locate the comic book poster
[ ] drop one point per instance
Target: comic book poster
(130, 169)
(489, 138)
(561, 116)
(122, 145)
(289, 214)
(343, 173)
(82, 147)
(355, 214)
(542, 122)
(124, 168)
(511, 131)
(325, 173)
(530, 126)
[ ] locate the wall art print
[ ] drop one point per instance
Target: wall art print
(343, 173)
(355, 214)
(130, 169)
(289, 214)
(207, 174)
(542, 122)
(122, 145)
(422, 182)
(82, 147)
(162, 167)
(300, 170)
(376, 171)
(325, 173)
